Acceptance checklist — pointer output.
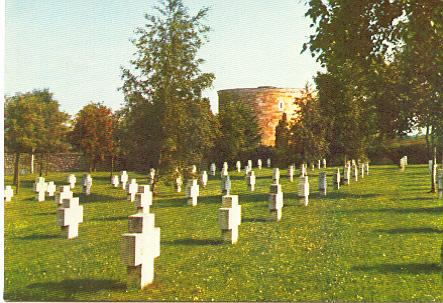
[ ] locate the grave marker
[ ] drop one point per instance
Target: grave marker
(40, 187)
(268, 163)
(132, 189)
(302, 170)
(72, 180)
(276, 175)
(229, 218)
(347, 175)
(178, 183)
(124, 179)
(259, 164)
(226, 185)
(50, 189)
(303, 190)
(322, 183)
(143, 199)
(140, 246)
(115, 182)
(192, 192)
(204, 178)
(69, 216)
(86, 184)
(324, 163)
(212, 169)
(238, 165)
(151, 177)
(291, 173)
(9, 193)
(64, 192)
(355, 172)
(336, 179)
(275, 201)
(250, 180)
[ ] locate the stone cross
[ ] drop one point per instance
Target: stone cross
(192, 192)
(238, 166)
(347, 175)
(322, 183)
(204, 178)
(86, 184)
(124, 179)
(268, 163)
(336, 179)
(402, 163)
(440, 183)
(355, 172)
(276, 175)
(40, 187)
(247, 170)
(178, 184)
(303, 190)
(143, 199)
(275, 201)
(69, 216)
(324, 163)
(291, 173)
(302, 170)
(259, 164)
(212, 169)
(312, 166)
(250, 180)
(362, 167)
(229, 218)
(115, 182)
(367, 168)
(9, 193)
(50, 189)
(194, 169)
(132, 189)
(250, 164)
(226, 185)
(318, 164)
(224, 171)
(151, 176)
(72, 180)
(64, 192)
(140, 246)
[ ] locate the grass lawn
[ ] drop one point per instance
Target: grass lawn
(376, 240)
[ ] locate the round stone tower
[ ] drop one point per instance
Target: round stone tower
(269, 104)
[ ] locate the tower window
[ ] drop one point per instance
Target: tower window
(280, 105)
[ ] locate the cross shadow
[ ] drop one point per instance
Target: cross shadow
(112, 219)
(409, 268)
(341, 195)
(418, 198)
(97, 198)
(193, 242)
(73, 286)
(412, 230)
(254, 220)
(39, 237)
(429, 210)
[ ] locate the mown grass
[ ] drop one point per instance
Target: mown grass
(376, 240)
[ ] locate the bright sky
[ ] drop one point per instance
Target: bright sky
(76, 47)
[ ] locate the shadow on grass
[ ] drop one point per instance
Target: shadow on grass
(111, 219)
(411, 230)
(45, 213)
(410, 268)
(39, 237)
(254, 220)
(74, 286)
(341, 195)
(426, 210)
(97, 198)
(418, 199)
(193, 242)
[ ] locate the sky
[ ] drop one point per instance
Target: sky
(75, 48)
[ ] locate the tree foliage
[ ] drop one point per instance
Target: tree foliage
(93, 132)
(168, 121)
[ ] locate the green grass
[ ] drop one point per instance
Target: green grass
(376, 240)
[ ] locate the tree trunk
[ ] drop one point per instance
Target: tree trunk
(46, 164)
(32, 162)
(41, 166)
(16, 180)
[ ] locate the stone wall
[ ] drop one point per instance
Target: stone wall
(269, 104)
(55, 162)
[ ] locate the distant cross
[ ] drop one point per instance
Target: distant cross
(9, 193)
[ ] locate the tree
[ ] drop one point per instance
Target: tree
(239, 132)
(168, 120)
(33, 124)
(282, 139)
(309, 128)
(93, 133)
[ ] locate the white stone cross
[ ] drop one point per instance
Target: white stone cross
(251, 180)
(367, 168)
(63, 193)
(303, 190)
(212, 169)
(69, 216)
(124, 179)
(355, 172)
(259, 164)
(324, 163)
(247, 170)
(152, 176)
(40, 187)
(268, 163)
(178, 183)
(347, 175)
(229, 218)
(51, 188)
(140, 246)
(115, 181)
(291, 173)
(336, 179)
(362, 167)
(204, 178)
(143, 199)
(238, 166)
(318, 164)
(72, 180)
(322, 183)
(276, 175)
(224, 171)
(86, 184)
(275, 201)
(9, 193)
(192, 192)
(131, 189)
(250, 164)
(302, 170)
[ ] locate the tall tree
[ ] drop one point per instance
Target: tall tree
(239, 132)
(168, 119)
(282, 139)
(33, 124)
(93, 133)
